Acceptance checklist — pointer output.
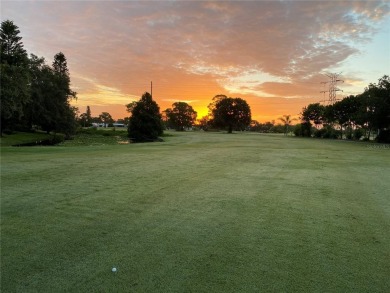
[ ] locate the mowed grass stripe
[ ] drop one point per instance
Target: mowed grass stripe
(200, 212)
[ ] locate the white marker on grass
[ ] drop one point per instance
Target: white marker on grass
(113, 270)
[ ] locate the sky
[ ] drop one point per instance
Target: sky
(274, 54)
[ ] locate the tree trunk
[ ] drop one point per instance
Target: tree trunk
(230, 129)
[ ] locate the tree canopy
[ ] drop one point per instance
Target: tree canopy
(367, 111)
(181, 115)
(145, 122)
(12, 51)
(34, 95)
(14, 74)
(230, 113)
(106, 118)
(85, 119)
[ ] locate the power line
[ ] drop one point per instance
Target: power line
(333, 89)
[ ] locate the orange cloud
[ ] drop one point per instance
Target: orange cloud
(273, 53)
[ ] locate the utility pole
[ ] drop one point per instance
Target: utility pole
(333, 89)
(151, 89)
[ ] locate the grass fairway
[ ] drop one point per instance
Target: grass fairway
(201, 212)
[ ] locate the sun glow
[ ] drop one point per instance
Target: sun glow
(193, 51)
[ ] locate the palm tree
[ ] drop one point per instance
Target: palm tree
(286, 119)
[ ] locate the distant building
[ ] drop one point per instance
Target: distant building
(99, 124)
(119, 125)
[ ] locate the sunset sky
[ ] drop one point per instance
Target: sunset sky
(273, 54)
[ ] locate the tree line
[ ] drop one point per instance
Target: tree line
(354, 117)
(146, 123)
(33, 93)
(86, 119)
(37, 96)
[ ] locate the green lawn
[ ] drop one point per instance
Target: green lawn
(200, 212)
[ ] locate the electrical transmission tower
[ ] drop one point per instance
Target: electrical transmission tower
(333, 89)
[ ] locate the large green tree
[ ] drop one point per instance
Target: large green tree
(12, 51)
(376, 102)
(344, 112)
(49, 107)
(230, 113)
(64, 113)
(38, 112)
(14, 74)
(181, 115)
(314, 113)
(145, 122)
(33, 93)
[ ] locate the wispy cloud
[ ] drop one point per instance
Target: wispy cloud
(91, 92)
(193, 50)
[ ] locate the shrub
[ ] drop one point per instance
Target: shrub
(357, 134)
(47, 141)
(297, 130)
(56, 139)
(92, 130)
(319, 133)
(383, 136)
(330, 132)
(303, 129)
